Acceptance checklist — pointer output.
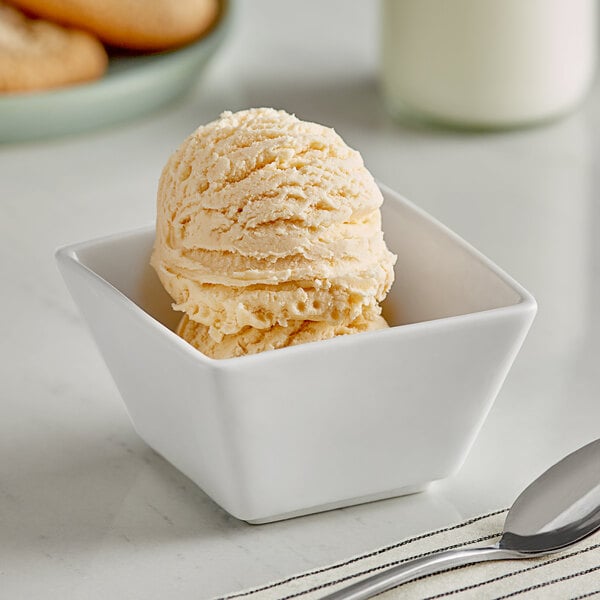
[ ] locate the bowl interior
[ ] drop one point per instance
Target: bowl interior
(437, 274)
(123, 261)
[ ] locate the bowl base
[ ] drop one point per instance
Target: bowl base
(403, 491)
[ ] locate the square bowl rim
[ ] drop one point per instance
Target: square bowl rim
(526, 303)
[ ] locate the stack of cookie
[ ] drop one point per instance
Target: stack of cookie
(61, 42)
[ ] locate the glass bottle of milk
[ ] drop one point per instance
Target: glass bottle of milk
(487, 63)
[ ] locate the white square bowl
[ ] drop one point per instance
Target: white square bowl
(320, 425)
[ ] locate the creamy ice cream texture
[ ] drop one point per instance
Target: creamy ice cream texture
(268, 234)
(251, 340)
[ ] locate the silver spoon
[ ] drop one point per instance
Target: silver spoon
(559, 508)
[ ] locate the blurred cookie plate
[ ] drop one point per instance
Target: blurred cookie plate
(133, 86)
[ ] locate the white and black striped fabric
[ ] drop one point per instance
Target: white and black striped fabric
(573, 574)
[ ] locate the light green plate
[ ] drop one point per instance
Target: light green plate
(132, 86)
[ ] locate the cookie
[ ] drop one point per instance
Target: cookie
(132, 24)
(37, 55)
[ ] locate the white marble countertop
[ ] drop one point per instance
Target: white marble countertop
(87, 510)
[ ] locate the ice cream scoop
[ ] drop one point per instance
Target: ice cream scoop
(266, 221)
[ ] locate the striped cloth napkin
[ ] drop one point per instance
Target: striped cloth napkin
(573, 574)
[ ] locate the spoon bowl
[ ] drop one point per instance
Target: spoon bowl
(559, 508)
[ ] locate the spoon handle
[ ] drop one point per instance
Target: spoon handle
(402, 573)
